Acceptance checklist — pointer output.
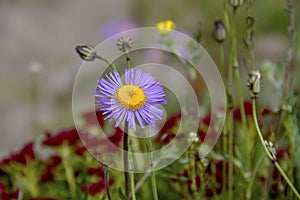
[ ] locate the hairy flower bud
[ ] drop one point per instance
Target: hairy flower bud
(254, 83)
(86, 53)
(124, 44)
(236, 3)
(219, 32)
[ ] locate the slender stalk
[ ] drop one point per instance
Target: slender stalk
(230, 152)
(131, 174)
(271, 157)
(65, 154)
(125, 157)
(106, 178)
(148, 145)
(107, 62)
(230, 125)
(222, 59)
(225, 15)
(128, 60)
(239, 87)
(225, 144)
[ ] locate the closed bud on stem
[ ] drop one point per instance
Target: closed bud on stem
(124, 44)
(272, 150)
(219, 32)
(236, 3)
(254, 82)
(86, 53)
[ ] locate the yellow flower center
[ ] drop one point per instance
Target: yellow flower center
(130, 97)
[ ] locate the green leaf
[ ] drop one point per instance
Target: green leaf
(121, 195)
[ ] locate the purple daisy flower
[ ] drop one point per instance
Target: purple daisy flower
(135, 100)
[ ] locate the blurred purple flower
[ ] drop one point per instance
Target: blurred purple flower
(113, 27)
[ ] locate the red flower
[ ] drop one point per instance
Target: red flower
(283, 153)
(96, 187)
(164, 134)
(48, 175)
(70, 136)
(55, 161)
(23, 156)
(206, 120)
(9, 196)
(116, 138)
(94, 118)
(2, 187)
(95, 171)
(248, 111)
(80, 150)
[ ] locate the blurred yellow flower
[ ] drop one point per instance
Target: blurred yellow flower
(165, 27)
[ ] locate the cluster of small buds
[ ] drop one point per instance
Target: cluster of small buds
(193, 137)
(124, 44)
(272, 150)
(219, 31)
(286, 107)
(236, 3)
(86, 53)
(254, 82)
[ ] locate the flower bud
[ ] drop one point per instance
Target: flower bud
(86, 53)
(124, 44)
(254, 83)
(219, 32)
(236, 3)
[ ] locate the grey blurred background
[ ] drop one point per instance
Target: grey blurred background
(38, 62)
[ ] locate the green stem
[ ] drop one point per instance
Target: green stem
(222, 60)
(107, 62)
(235, 67)
(225, 144)
(66, 155)
(106, 178)
(125, 155)
(128, 60)
(131, 174)
(148, 145)
(230, 152)
(225, 15)
(271, 157)
(232, 58)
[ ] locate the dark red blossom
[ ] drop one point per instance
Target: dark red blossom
(248, 111)
(55, 161)
(116, 138)
(96, 187)
(283, 153)
(94, 118)
(70, 136)
(80, 150)
(95, 171)
(48, 175)
(22, 156)
(165, 134)
(206, 120)
(2, 187)
(266, 111)
(9, 196)
(91, 142)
